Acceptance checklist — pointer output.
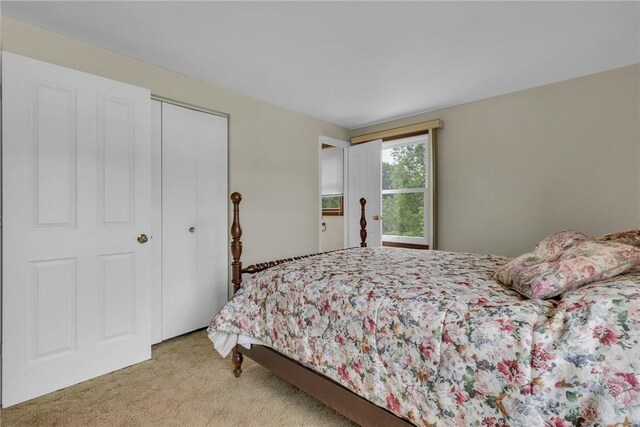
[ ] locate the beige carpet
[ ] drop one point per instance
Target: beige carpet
(186, 383)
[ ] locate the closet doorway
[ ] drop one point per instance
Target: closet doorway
(189, 192)
(334, 205)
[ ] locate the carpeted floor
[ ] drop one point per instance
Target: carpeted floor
(185, 384)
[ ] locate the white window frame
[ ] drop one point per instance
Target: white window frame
(414, 140)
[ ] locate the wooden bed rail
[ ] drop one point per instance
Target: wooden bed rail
(236, 245)
(236, 263)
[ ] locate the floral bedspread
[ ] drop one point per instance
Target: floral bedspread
(431, 337)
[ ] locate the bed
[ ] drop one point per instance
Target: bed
(392, 336)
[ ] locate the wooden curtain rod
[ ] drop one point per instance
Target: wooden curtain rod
(399, 131)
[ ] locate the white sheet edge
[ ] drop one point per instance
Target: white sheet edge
(224, 342)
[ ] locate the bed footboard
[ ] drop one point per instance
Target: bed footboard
(236, 263)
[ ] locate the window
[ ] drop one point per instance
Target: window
(332, 181)
(404, 190)
(332, 205)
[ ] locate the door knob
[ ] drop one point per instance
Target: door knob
(192, 229)
(142, 238)
(377, 217)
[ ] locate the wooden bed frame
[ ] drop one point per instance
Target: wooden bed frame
(317, 385)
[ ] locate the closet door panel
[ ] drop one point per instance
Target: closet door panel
(194, 223)
(212, 229)
(156, 221)
(179, 255)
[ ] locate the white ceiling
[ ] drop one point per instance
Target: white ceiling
(358, 63)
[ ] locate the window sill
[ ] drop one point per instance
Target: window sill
(405, 245)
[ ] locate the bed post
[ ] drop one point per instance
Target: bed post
(236, 244)
(363, 224)
(236, 269)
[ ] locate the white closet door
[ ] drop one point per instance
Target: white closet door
(156, 221)
(75, 188)
(194, 218)
(365, 180)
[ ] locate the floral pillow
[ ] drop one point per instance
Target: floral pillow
(630, 237)
(551, 247)
(585, 262)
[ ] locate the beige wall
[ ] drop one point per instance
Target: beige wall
(515, 168)
(273, 151)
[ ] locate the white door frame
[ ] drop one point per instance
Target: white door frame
(345, 149)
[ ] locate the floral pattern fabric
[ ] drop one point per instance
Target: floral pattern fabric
(432, 337)
(630, 237)
(580, 264)
(550, 248)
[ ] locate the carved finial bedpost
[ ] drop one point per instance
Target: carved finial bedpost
(363, 224)
(236, 244)
(236, 269)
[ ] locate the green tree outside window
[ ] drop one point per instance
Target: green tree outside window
(403, 213)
